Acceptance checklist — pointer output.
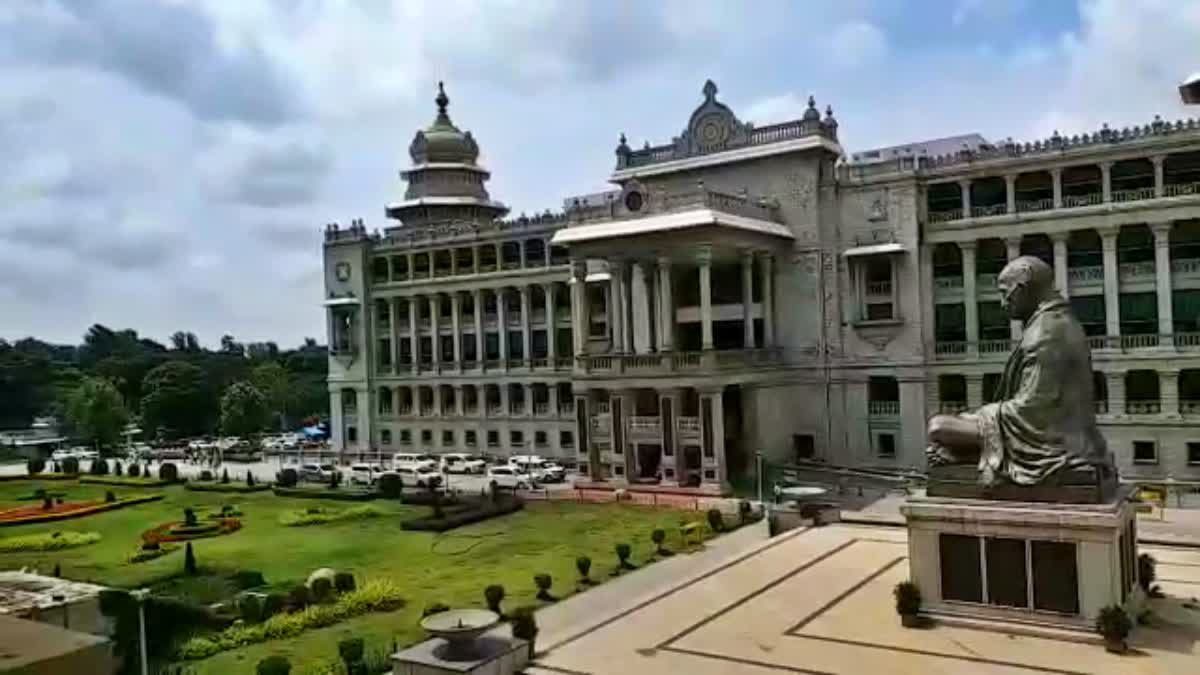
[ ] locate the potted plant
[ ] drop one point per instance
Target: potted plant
(1114, 625)
(658, 536)
(524, 627)
(494, 595)
(543, 583)
(908, 603)
(584, 565)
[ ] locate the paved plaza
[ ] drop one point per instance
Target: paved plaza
(819, 601)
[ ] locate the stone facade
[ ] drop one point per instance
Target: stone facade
(754, 289)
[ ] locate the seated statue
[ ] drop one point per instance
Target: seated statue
(1043, 421)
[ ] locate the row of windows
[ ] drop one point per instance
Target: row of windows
(526, 253)
(516, 437)
(1146, 452)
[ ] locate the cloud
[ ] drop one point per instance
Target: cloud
(857, 43)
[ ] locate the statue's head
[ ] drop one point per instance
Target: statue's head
(1024, 284)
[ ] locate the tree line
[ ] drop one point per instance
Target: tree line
(170, 391)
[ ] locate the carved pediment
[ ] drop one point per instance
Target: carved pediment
(712, 128)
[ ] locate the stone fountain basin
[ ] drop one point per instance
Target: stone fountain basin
(460, 625)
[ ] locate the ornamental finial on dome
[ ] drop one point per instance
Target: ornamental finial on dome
(710, 90)
(442, 100)
(811, 114)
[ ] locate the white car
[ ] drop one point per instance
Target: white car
(365, 474)
(60, 455)
(317, 473)
(417, 476)
(411, 460)
(510, 477)
(458, 462)
(543, 471)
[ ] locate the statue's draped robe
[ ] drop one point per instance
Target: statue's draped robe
(1044, 419)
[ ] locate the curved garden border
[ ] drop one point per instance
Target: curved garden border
(162, 533)
(126, 482)
(84, 509)
(224, 487)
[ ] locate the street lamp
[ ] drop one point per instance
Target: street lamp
(140, 596)
(1189, 91)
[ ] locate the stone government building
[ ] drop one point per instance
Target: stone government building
(758, 288)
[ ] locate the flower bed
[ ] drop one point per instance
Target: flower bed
(224, 487)
(377, 595)
(52, 541)
(24, 515)
(326, 493)
(148, 554)
(178, 531)
(303, 517)
(126, 482)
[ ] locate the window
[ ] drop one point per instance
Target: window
(493, 438)
(352, 434)
(539, 438)
(1193, 452)
(877, 289)
(804, 446)
(405, 436)
(1145, 452)
(566, 439)
(385, 436)
(469, 437)
(448, 437)
(885, 445)
(426, 436)
(618, 470)
(516, 437)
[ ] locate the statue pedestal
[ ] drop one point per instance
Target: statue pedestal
(1023, 565)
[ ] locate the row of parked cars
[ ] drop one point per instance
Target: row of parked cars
(421, 470)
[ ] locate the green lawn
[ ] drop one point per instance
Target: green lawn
(452, 568)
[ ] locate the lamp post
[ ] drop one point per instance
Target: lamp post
(140, 596)
(759, 471)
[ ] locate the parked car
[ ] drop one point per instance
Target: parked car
(511, 477)
(317, 473)
(365, 474)
(458, 462)
(542, 470)
(417, 476)
(414, 460)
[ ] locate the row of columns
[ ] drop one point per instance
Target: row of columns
(550, 291)
(524, 260)
(1010, 182)
(1112, 306)
(459, 401)
(642, 304)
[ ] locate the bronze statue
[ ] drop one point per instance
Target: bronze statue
(1043, 421)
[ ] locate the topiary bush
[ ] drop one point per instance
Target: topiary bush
(1147, 571)
(47, 503)
(343, 582)
(70, 465)
(623, 552)
(206, 475)
(134, 470)
(908, 602)
(189, 561)
(168, 471)
(494, 595)
(715, 521)
(543, 583)
(99, 467)
(351, 651)
(335, 479)
(298, 598)
(225, 476)
(117, 469)
(583, 565)
(245, 579)
(524, 627)
(273, 665)
(287, 478)
(189, 517)
(658, 536)
(273, 604)
(35, 465)
(322, 590)
(249, 479)
(250, 608)
(390, 486)
(109, 497)
(1114, 625)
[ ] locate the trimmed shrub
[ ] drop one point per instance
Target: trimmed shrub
(304, 517)
(117, 470)
(476, 512)
(168, 471)
(322, 590)
(434, 608)
(543, 583)
(35, 465)
(623, 552)
(50, 541)
(70, 465)
(335, 479)
(658, 536)
(343, 582)
(57, 571)
(298, 598)
(1147, 571)
(273, 665)
(99, 467)
(584, 565)
(1114, 624)
(287, 478)
(225, 476)
(245, 579)
(47, 503)
(351, 651)
(249, 479)
(189, 561)
(908, 598)
(189, 517)
(250, 607)
(524, 627)
(206, 475)
(134, 470)
(390, 486)
(109, 497)
(715, 521)
(57, 468)
(493, 595)
(273, 604)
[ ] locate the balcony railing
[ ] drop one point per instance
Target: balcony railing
(1136, 194)
(1143, 407)
(645, 424)
(679, 361)
(601, 424)
(494, 410)
(1181, 189)
(1138, 341)
(566, 409)
(1189, 407)
(1181, 341)
(879, 288)
(688, 425)
(1086, 275)
(541, 409)
(995, 346)
(1101, 407)
(945, 216)
(1136, 270)
(405, 411)
(985, 211)
(948, 283)
(986, 282)
(951, 407)
(1035, 205)
(883, 408)
(1071, 201)
(950, 348)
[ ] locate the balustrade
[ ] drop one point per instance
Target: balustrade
(878, 288)
(1136, 194)
(949, 348)
(995, 346)
(1181, 189)
(601, 424)
(1070, 201)
(1138, 341)
(1143, 407)
(1136, 270)
(948, 283)
(883, 408)
(645, 424)
(1088, 274)
(985, 211)
(986, 282)
(688, 425)
(945, 216)
(541, 409)
(1035, 205)
(1189, 407)
(1101, 407)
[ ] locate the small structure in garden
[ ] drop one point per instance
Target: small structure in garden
(458, 644)
(71, 604)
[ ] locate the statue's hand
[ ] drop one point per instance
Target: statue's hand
(937, 454)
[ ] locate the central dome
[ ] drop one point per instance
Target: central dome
(443, 142)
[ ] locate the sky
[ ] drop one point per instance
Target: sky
(169, 165)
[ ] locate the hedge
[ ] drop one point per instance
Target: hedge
(326, 493)
(52, 541)
(40, 476)
(449, 521)
(98, 508)
(126, 482)
(301, 518)
(224, 487)
(425, 498)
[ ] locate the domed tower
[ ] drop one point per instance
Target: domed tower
(445, 184)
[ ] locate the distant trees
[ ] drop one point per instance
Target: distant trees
(97, 412)
(177, 399)
(243, 410)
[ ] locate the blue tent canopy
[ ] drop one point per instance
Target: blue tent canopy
(313, 432)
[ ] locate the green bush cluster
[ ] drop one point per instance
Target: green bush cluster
(377, 595)
(301, 518)
(51, 541)
(35, 465)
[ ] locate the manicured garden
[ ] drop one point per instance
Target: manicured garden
(399, 573)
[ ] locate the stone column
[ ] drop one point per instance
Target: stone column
(456, 327)
(435, 340)
(1159, 182)
(526, 325)
(583, 438)
(626, 309)
(1106, 181)
(548, 293)
(460, 407)
(974, 390)
(502, 321)
(499, 256)
(713, 431)
(1010, 192)
(616, 309)
(1056, 181)
(1013, 244)
(706, 320)
(1116, 392)
(1168, 391)
(639, 294)
(1162, 279)
(1112, 304)
(529, 406)
(965, 187)
(412, 270)
(505, 404)
(546, 252)
(621, 408)
(580, 313)
(521, 249)
(1059, 239)
(928, 290)
(477, 306)
(393, 336)
(475, 260)
(747, 300)
(414, 331)
(666, 307)
(970, 301)
(366, 415)
(337, 425)
(453, 262)
(552, 404)
(768, 298)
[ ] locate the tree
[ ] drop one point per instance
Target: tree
(189, 561)
(97, 412)
(272, 380)
(232, 347)
(25, 385)
(243, 410)
(177, 398)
